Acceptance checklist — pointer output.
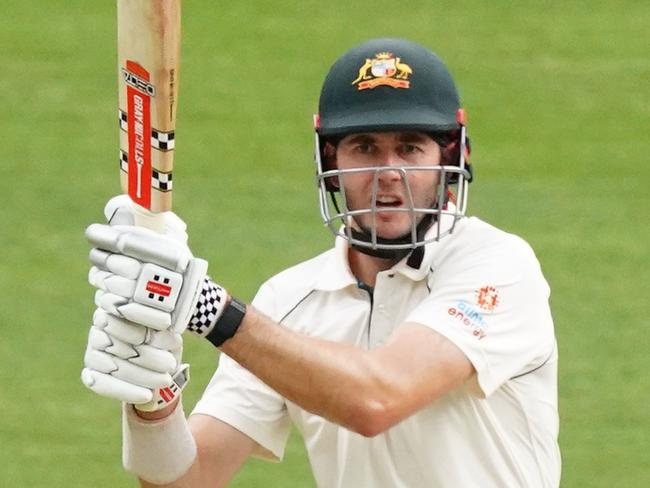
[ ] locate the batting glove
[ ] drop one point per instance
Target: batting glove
(214, 315)
(151, 283)
(132, 363)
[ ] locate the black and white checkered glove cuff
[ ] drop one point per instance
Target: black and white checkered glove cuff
(209, 307)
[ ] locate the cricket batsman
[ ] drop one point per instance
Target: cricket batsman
(419, 351)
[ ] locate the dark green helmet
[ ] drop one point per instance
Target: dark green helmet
(388, 84)
(392, 85)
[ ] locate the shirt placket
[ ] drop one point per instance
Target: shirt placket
(382, 317)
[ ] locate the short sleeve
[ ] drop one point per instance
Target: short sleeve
(265, 300)
(238, 398)
(493, 305)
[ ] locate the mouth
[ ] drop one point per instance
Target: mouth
(388, 201)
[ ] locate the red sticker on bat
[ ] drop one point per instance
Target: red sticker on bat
(138, 93)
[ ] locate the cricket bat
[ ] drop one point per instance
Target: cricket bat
(148, 38)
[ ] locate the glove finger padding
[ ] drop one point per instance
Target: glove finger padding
(111, 283)
(155, 359)
(147, 356)
(136, 334)
(108, 386)
(142, 244)
(120, 328)
(124, 369)
(150, 317)
(115, 263)
(167, 340)
(133, 312)
(147, 373)
(144, 399)
(110, 302)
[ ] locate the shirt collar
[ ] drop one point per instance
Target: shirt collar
(418, 268)
(336, 273)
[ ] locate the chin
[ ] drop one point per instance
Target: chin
(390, 225)
(393, 224)
(393, 231)
(395, 234)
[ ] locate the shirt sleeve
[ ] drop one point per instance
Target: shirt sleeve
(493, 305)
(238, 398)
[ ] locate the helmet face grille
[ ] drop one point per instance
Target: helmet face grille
(342, 220)
(447, 203)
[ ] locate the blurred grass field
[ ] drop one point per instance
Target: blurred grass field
(559, 108)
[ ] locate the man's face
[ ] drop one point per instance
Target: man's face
(389, 151)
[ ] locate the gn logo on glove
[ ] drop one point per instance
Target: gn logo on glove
(385, 69)
(158, 287)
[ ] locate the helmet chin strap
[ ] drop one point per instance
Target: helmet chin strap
(365, 235)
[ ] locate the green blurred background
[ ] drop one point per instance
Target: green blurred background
(559, 109)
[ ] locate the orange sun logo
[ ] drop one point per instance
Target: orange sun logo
(487, 298)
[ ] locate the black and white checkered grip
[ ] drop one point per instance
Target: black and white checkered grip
(161, 140)
(209, 307)
(165, 141)
(160, 180)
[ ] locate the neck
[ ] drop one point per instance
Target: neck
(365, 267)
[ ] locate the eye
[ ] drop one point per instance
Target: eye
(410, 149)
(364, 148)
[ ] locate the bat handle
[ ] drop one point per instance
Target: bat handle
(148, 219)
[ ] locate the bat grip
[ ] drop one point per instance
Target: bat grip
(148, 219)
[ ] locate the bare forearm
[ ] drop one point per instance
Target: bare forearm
(365, 391)
(337, 381)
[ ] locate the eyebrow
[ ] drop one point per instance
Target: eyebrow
(360, 139)
(410, 137)
(403, 137)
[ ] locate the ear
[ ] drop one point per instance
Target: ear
(329, 163)
(329, 154)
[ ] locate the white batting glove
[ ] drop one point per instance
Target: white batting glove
(212, 300)
(132, 363)
(134, 347)
(143, 276)
(148, 285)
(152, 280)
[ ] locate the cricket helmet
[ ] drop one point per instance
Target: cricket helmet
(392, 85)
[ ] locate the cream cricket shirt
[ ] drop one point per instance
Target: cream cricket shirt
(481, 288)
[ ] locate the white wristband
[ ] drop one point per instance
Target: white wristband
(157, 451)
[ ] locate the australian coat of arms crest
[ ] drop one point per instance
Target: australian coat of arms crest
(384, 69)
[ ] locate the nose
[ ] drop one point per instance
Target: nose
(390, 167)
(390, 157)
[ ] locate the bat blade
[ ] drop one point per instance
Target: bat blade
(148, 33)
